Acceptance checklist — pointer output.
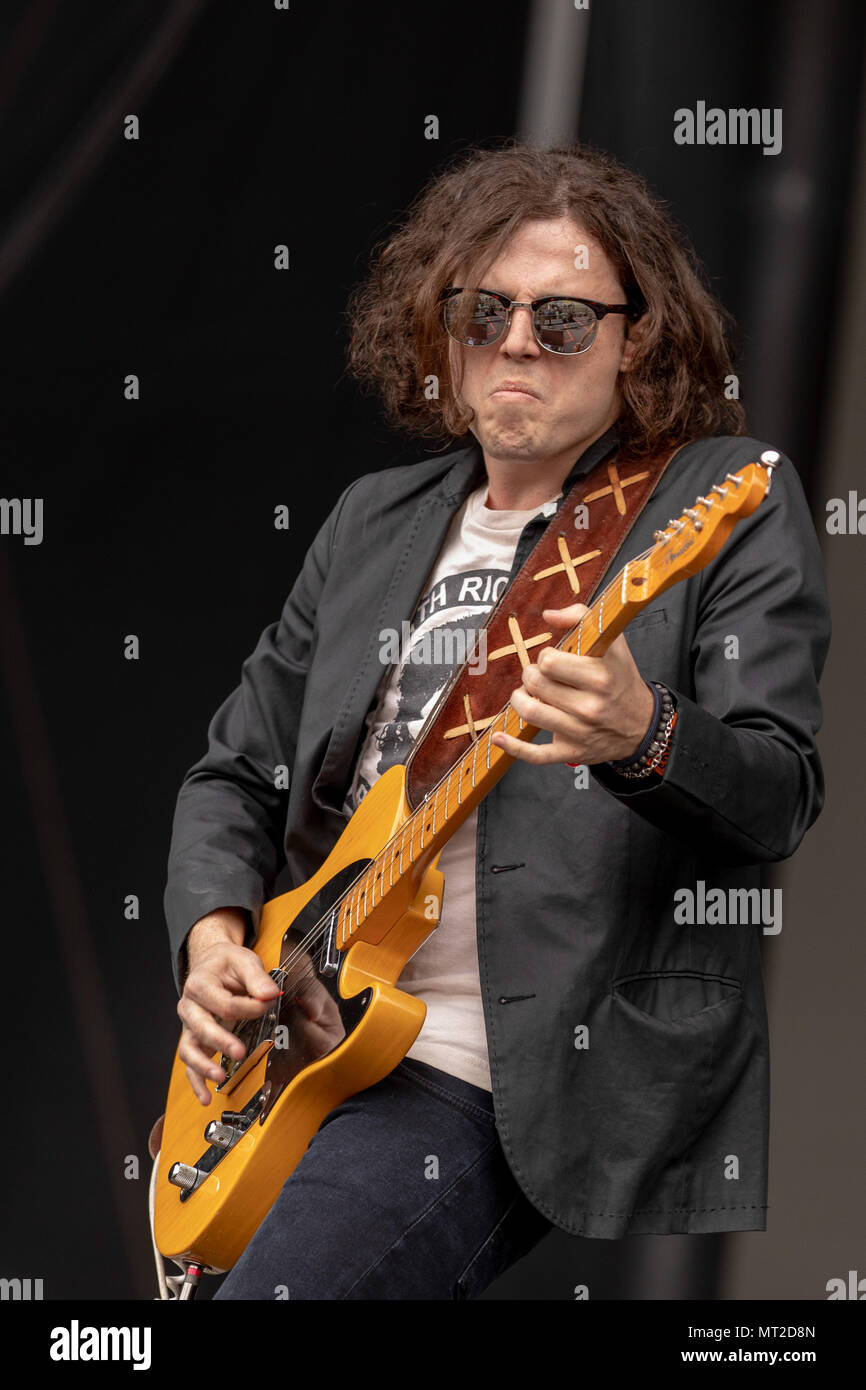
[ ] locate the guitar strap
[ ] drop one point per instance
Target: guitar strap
(565, 567)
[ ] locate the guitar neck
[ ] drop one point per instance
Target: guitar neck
(692, 543)
(424, 834)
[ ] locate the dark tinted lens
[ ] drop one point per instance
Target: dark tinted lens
(566, 325)
(474, 318)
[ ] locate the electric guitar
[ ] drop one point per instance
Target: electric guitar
(337, 945)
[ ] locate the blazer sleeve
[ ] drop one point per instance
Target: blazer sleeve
(743, 781)
(226, 844)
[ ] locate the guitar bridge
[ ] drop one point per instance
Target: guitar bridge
(257, 1035)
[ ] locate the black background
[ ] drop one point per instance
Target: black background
(156, 257)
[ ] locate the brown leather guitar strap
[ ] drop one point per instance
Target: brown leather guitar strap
(565, 567)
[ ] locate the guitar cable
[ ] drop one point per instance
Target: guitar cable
(174, 1288)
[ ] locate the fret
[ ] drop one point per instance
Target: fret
(374, 872)
(360, 901)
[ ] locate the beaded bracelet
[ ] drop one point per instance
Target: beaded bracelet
(634, 758)
(652, 755)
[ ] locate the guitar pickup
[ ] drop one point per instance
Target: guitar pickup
(238, 1070)
(330, 963)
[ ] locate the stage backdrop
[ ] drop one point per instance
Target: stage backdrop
(165, 386)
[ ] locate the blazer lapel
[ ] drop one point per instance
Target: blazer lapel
(426, 529)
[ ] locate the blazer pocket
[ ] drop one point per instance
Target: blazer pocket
(647, 618)
(675, 995)
(671, 1050)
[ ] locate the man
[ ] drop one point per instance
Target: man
(589, 1059)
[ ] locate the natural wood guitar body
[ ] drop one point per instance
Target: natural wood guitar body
(215, 1222)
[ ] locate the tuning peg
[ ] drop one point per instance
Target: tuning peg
(770, 459)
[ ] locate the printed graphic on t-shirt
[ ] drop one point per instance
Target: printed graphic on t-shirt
(470, 575)
(443, 632)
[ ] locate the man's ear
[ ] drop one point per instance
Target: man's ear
(635, 333)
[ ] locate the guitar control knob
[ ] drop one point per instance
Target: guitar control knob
(183, 1175)
(222, 1135)
(233, 1117)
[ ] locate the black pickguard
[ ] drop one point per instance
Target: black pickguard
(306, 1023)
(312, 1018)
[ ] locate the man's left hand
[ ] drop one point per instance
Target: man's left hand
(598, 708)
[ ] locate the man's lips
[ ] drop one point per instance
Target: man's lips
(516, 391)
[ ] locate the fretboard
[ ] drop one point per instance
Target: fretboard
(423, 834)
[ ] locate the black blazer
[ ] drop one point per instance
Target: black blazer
(632, 1086)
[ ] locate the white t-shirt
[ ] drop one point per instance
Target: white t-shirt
(468, 577)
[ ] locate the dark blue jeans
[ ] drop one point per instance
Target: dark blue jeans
(404, 1192)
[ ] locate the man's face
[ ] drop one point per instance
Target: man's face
(576, 397)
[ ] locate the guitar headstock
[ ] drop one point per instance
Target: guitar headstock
(690, 541)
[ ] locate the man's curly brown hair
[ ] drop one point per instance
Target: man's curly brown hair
(465, 217)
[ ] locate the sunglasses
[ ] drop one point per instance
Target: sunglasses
(478, 318)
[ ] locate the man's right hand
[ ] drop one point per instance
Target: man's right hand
(225, 982)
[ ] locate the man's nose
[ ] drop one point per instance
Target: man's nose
(520, 338)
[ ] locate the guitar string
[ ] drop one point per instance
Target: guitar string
(310, 970)
(323, 926)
